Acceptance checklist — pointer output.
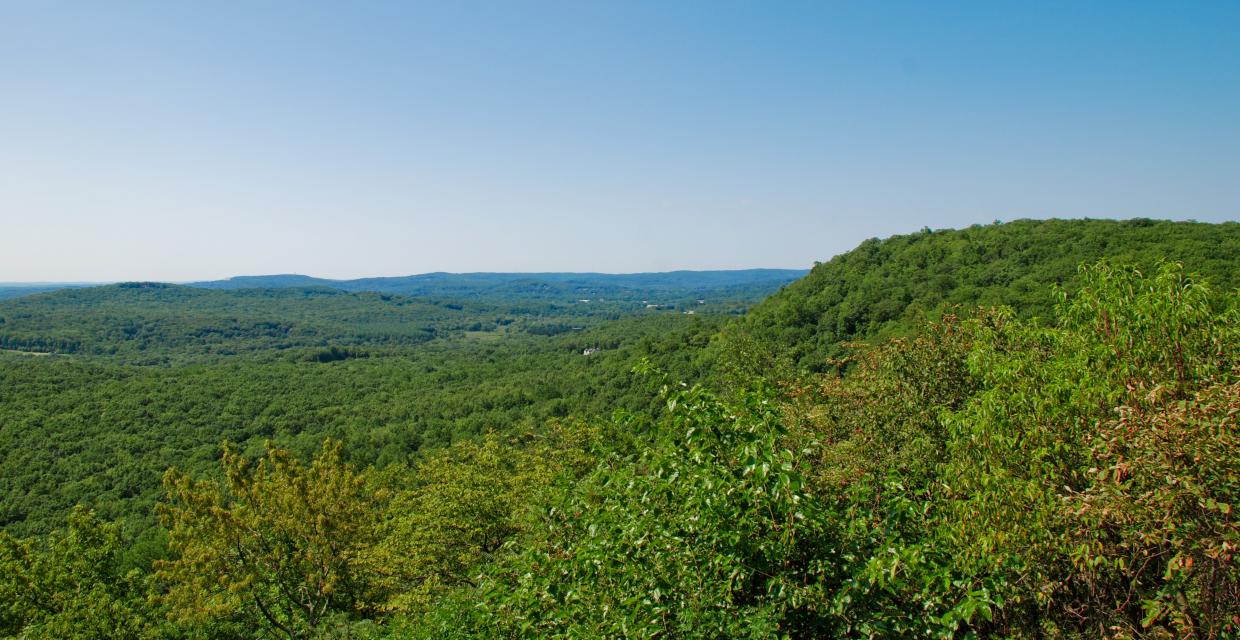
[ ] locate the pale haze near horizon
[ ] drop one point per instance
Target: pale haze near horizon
(168, 141)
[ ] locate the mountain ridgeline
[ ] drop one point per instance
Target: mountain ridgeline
(1020, 430)
(666, 287)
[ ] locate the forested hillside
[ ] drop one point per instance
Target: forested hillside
(886, 288)
(1037, 439)
(990, 478)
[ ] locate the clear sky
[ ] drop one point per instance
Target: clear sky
(190, 140)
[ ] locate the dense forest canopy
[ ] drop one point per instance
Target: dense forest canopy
(885, 288)
(104, 388)
(137, 319)
(1019, 430)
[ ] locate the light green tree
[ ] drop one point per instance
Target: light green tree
(463, 505)
(70, 585)
(278, 544)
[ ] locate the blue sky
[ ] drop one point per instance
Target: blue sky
(179, 141)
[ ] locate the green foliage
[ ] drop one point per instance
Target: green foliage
(325, 551)
(882, 416)
(1025, 452)
(704, 535)
(461, 507)
(887, 288)
(1156, 531)
(278, 544)
(71, 585)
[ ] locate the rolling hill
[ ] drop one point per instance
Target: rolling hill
(883, 288)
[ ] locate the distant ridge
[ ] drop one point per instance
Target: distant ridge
(542, 286)
(280, 281)
(18, 289)
(538, 285)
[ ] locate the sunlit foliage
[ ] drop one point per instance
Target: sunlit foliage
(72, 584)
(277, 544)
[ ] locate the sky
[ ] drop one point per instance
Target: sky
(180, 141)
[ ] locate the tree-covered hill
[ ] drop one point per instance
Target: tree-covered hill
(990, 478)
(884, 288)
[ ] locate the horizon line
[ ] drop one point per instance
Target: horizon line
(41, 283)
